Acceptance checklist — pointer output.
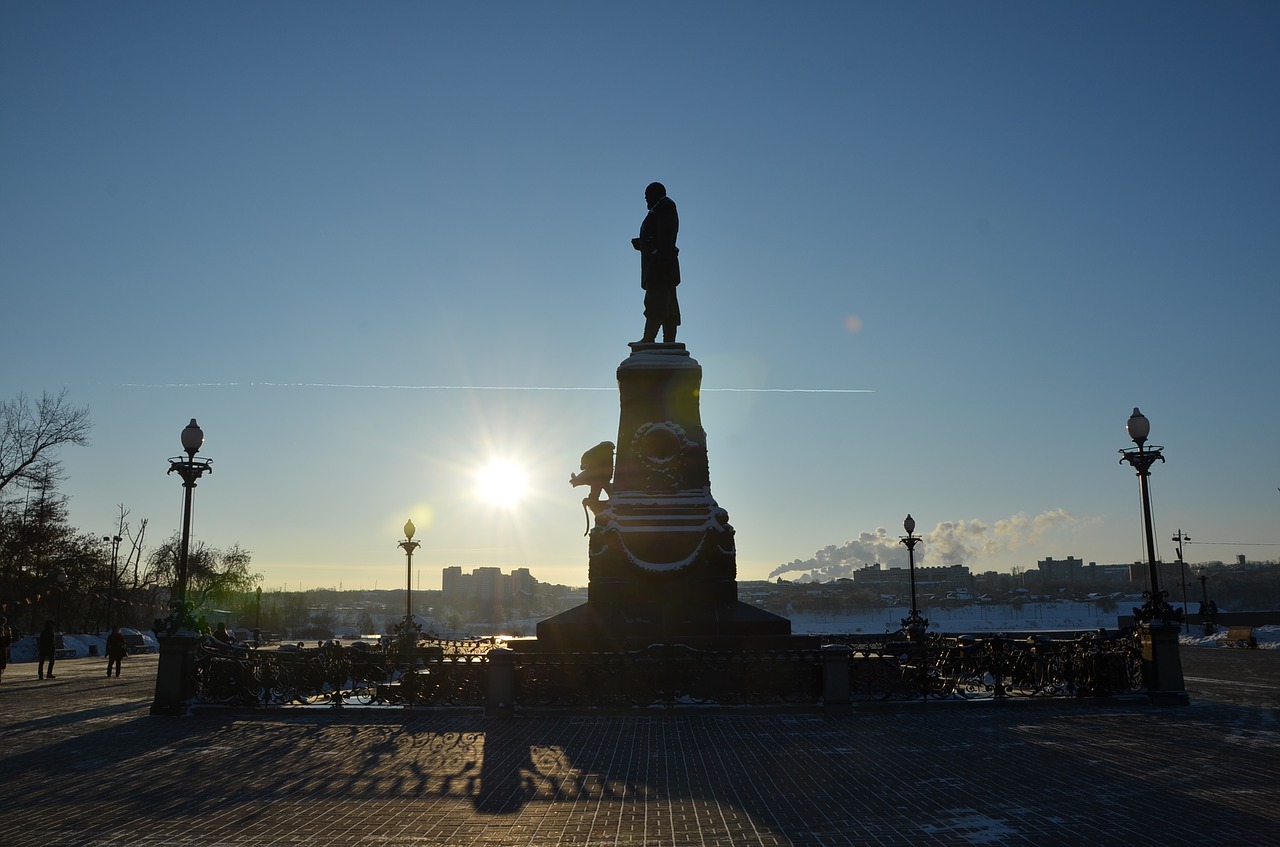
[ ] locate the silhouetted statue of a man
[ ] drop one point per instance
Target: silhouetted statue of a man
(659, 264)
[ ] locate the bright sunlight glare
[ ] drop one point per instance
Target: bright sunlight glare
(502, 482)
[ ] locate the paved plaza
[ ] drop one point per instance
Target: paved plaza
(83, 763)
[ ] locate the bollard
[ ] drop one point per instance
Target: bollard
(500, 690)
(835, 677)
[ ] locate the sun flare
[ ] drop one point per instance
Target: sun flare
(502, 482)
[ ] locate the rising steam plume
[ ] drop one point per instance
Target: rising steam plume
(963, 542)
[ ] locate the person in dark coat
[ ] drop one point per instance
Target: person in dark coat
(116, 650)
(222, 634)
(659, 265)
(47, 649)
(6, 639)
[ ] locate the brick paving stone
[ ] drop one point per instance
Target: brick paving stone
(82, 763)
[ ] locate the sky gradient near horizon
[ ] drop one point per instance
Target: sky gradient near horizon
(933, 254)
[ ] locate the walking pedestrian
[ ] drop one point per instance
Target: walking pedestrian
(47, 649)
(116, 650)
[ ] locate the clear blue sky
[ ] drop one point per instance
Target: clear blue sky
(372, 246)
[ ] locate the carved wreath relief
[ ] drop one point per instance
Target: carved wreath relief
(661, 449)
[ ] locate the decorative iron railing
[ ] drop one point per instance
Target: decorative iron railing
(847, 669)
(993, 667)
(333, 674)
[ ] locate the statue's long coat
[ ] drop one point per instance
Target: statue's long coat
(660, 262)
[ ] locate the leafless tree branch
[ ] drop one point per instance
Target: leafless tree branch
(31, 433)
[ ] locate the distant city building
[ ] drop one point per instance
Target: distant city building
(487, 585)
(1112, 574)
(1052, 571)
(932, 580)
(1060, 570)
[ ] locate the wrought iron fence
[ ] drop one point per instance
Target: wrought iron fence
(993, 667)
(333, 674)
(449, 673)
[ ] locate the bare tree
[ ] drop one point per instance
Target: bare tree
(31, 433)
(213, 573)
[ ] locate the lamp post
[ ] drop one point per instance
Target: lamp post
(1138, 427)
(914, 625)
(1206, 615)
(1182, 569)
(61, 577)
(408, 546)
(190, 469)
(407, 632)
(114, 541)
(1162, 665)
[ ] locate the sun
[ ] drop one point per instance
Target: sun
(502, 482)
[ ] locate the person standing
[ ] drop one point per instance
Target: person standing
(47, 649)
(6, 639)
(659, 265)
(116, 650)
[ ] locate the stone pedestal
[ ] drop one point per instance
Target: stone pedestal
(500, 691)
(662, 560)
(176, 674)
(1162, 664)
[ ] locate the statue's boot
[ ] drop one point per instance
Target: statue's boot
(651, 326)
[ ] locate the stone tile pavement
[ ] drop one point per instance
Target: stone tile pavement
(82, 763)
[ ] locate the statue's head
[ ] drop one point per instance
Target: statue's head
(654, 192)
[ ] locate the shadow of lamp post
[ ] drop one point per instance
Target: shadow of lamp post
(176, 674)
(914, 625)
(1158, 621)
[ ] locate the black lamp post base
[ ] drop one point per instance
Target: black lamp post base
(1162, 665)
(176, 675)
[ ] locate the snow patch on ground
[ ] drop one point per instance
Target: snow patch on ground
(85, 644)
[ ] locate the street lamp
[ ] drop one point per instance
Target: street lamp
(1161, 663)
(1138, 427)
(61, 577)
(190, 469)
(114, 541)
(1182, 569)
(914, 625)
(408, 546)
(407, 632)
(1208, 613)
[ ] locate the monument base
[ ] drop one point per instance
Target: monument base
(731, 625)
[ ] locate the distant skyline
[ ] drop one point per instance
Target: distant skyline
(933, 255)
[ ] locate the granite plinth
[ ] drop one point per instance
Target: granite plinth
(726, 626)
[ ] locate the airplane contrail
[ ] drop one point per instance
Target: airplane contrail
(470, 387)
